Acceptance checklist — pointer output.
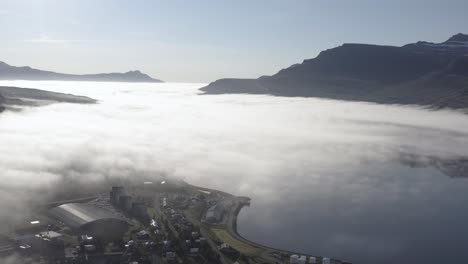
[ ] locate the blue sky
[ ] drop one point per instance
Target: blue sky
(200, 41)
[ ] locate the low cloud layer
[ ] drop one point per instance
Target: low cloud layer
(244, 144)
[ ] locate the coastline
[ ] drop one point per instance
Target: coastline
(269, 253)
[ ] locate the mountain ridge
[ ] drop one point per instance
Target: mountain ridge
(422, 73)
(9, 72)
(14, 98)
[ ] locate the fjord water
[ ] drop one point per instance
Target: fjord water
(324, 176)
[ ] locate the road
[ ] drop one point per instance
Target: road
(238, 203)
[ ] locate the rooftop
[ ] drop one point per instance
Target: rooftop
(75, 215)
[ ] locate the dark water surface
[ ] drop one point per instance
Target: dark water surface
(386, 213)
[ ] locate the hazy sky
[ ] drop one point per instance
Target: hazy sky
(200, 41)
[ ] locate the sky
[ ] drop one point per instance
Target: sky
(201, 41)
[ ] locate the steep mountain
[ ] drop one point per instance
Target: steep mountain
(421, 73)
(8, 72)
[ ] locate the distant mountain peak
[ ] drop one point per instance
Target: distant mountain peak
(136, 72)
(8, 72)
(457, 45)
(459, 37)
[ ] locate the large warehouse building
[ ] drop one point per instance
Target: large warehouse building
(85, 218)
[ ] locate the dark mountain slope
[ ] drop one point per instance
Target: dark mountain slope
(384, 64)
(2, 101)
(412, 74)
(14, 98)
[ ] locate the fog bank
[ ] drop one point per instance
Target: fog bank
(242, 144)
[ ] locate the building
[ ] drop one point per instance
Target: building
(228, 250)
(143, 235)
(302, 260)
(194, 252)
(139, 210)
(50, 243)
(125, 203)
(115, 194)
(171, 256)
(85, 218)
(51, 236)
(215, 213)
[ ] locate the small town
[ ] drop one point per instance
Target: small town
(163, 222)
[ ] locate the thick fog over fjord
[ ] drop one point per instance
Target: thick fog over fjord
(232, 142)
(264, 147)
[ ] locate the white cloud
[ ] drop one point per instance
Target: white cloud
(45, 39)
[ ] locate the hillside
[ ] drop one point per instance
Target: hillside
(8, 72)
(14, 98)
(422, 73)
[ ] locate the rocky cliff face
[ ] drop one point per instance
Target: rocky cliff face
(457, 45)
(421, 73)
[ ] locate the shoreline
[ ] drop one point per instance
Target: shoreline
(271, 254)
(268, 252)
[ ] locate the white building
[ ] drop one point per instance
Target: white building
(302, 260)
(294, 259)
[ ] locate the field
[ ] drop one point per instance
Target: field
(240, 246)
